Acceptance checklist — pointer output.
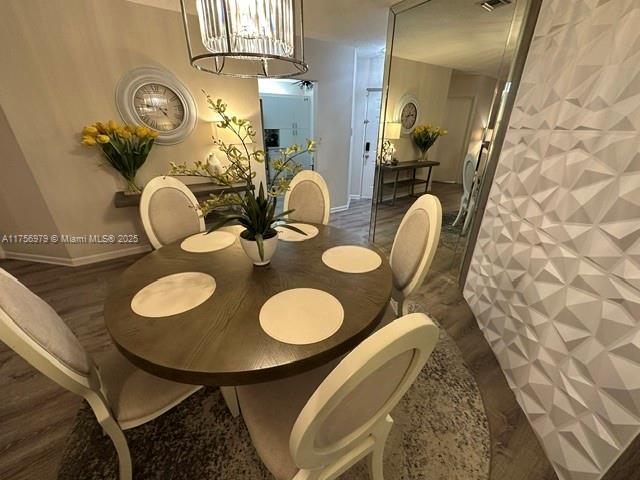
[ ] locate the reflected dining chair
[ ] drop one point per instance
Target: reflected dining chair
(468, 174)
(317, 425)
(414, 247)
(120, 395)
(169, 211)
(308, 195)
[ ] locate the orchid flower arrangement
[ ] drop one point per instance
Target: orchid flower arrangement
(254, 211)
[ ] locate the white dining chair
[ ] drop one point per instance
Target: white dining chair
(120, 395)
(169, 211)
(468, 174)
(319, 424)
(414, 247)
(308, 196)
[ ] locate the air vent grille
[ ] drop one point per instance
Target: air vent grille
(491, 5)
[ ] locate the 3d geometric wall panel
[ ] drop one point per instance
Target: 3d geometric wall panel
(555, 277)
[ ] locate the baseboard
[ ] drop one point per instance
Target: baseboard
(341, 208)
(77, 261)
(354, 197)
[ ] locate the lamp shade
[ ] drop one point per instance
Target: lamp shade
(392, 130)
(245, 38)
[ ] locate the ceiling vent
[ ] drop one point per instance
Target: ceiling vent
(491, 5)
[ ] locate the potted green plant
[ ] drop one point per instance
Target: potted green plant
(424, 136)
(125, 147)
(256, 212)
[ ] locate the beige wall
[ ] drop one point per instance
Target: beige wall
(60, 73)
(430, 84)
(23, 210)
(333, 66)
(481, 88)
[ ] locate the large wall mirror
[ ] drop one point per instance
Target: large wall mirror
(452, 67)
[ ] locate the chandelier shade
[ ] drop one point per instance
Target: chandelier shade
(245, 38)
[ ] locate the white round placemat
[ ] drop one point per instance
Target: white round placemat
(301, 316)
(291, 236)
(351, 259)
(207, 242)
(173, 294)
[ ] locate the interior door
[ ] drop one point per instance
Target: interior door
(370, 154)
(453, 147)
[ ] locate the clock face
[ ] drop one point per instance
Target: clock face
(409, 116)
(159, 107)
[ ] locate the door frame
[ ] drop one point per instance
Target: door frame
(467, 133)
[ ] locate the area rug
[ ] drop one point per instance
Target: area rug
(449, 234)
(440, 433)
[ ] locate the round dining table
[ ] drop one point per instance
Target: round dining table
(221, 342)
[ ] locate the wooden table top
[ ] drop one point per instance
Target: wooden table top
(220, 342)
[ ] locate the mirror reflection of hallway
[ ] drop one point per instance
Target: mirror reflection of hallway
(450, 57)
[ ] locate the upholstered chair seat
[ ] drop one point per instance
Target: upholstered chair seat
(270, 410)
(318, 424)
(308, 197)
(135, 396)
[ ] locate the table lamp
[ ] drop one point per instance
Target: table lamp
(392, 131)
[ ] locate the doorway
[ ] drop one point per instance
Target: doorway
(287, 119)
(454, 146)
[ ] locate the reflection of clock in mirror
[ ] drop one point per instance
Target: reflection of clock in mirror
(408, 113)
(155, 98)
(408, 116)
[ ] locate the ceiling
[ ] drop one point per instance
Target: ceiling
(454, 33)
(359, 23)
(467, 37)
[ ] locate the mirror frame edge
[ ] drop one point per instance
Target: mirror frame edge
(525, 37)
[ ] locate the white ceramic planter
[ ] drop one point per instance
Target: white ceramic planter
(250, 247)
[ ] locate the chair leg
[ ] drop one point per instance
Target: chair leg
(231, 399)
(111, 428)
(461, 212)
(376, 458)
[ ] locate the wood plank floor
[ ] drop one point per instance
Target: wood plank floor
(36, 415)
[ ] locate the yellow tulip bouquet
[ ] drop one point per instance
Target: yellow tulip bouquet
(424, 136)
(124, 146)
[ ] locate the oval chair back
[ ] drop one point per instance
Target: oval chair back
(347, 417)
(468, 172)
(169, 211)
(414, 247)
(308, 196)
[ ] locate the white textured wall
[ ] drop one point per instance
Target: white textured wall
(555, 276)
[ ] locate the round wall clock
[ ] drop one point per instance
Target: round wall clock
(408, 112)
(155, 98)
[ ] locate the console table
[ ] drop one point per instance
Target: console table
(413, 165)
(200, 190)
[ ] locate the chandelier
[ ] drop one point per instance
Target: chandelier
(245, 38)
